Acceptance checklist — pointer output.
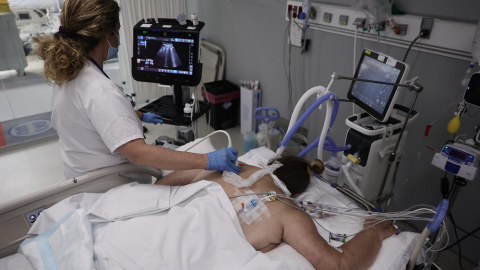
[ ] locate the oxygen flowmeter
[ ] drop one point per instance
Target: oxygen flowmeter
(460, 159)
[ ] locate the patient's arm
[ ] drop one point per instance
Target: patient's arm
(179, 178)
(358, 253)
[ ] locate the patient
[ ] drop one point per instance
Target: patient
(292, 226)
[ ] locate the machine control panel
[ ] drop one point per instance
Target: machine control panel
(459, 159)
(457, 156)
(33, 215)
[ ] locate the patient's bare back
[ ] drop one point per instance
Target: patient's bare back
(295, 227)
(265, 232)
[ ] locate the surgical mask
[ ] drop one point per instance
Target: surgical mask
(113, 51)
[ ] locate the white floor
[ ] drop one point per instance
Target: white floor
(28, 170)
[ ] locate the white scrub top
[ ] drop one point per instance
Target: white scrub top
(93, 117)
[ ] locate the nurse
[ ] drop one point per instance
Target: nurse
(96, 124)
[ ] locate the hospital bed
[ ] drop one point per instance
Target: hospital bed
(16, 218)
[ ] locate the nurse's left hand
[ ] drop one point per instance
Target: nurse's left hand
(152, 118)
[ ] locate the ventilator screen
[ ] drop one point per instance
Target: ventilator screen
(377, 99)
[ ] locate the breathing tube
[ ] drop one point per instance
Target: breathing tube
(331, 114)
(329, 146)
(433, 226)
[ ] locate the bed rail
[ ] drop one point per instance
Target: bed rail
(14, 224)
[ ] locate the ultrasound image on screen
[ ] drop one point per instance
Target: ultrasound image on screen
(165, 55)
(375, 95)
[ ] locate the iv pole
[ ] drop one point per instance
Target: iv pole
(412, 87)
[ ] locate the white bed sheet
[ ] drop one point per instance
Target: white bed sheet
(16, 261)
(181, 238)
(138, 226)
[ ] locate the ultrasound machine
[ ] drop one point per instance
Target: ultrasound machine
(167, 52)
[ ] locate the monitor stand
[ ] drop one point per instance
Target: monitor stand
(170, 107)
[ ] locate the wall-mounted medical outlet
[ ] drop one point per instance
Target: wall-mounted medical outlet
(294, 9)
(380, 26)
(343, 20)
(359, 22)
(449, 38)
(313, 13)
(402, 29)
(426, 27)
(33, 215)
(327, 17)
(296, 35)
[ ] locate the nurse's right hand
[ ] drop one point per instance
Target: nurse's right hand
(152, 118)
(223, 160)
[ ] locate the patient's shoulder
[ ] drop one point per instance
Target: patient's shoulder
(292, 216)
(247, 170)
(286, 209)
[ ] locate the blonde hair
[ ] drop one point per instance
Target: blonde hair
(85, 23)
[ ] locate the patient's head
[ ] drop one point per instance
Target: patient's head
(296, 172)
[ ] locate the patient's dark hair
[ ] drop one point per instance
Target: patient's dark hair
(296, 172)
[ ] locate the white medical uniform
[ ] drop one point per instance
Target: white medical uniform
(93, 117)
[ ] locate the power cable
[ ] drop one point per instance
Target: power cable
(466, 236)
(450, 215)
(410, 47)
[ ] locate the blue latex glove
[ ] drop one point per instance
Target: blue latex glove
(223, 160)
(152, 118)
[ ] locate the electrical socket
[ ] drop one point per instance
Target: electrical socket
(360, 22)
(402, 28)
(426, 27)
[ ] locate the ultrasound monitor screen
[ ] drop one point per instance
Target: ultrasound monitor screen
(165, 54)
(375, 98)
